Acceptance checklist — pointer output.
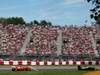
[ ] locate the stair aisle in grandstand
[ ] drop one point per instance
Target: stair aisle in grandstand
(94, 45)
(28, 36)
(59, 42)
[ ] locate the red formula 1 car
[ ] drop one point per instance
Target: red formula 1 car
(21, 68)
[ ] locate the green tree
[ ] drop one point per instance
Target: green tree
(2, 20)
(20, 20)
(36, 22)
(12, 20)
(43, 23)
(95, 11)
(49, 24)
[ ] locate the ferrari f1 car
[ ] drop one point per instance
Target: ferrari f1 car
(21, 68)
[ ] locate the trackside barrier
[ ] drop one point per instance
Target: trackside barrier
(41, 63)
(25, 62)
(33, 63)
(49, 63)
(15, 63)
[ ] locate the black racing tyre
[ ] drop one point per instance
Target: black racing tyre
(13, 69)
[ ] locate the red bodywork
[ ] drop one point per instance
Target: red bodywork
(23, 68)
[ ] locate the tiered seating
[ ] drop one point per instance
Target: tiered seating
(78, 40)
(11, 38)
(43, 40)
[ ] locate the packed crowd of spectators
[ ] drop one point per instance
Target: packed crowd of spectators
(75, 40)
(78, 40)
(12, 38)
(43, 40)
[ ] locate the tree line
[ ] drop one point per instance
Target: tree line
(20, 20)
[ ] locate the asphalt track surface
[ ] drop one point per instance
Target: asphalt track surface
(45, 68)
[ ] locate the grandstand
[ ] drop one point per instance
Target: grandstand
(20, 42)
